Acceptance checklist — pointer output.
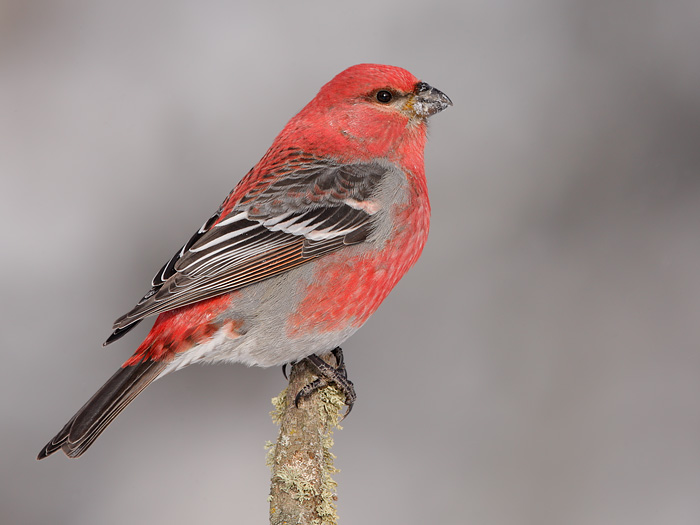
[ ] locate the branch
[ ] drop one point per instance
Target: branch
(302, 491)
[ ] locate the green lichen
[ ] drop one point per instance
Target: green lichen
(280, 407)
(270, 450)
(301, 479)
(297, 482)
(332, 401)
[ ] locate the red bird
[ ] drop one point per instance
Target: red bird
(300, 253)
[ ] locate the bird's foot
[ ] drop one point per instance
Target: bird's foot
(329, 374)
(284, 368)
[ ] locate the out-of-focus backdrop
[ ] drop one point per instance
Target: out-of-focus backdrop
(540, 365)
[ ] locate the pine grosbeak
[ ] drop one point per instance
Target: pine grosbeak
(300, 253)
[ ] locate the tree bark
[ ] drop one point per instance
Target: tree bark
(302, 490)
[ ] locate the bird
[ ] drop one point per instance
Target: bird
(300, 253)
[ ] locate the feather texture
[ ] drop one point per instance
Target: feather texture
(85, 426)
(317, 208)
(269, 278)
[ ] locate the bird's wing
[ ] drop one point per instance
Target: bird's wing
(316, 209)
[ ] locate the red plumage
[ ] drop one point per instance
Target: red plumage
(301, 252)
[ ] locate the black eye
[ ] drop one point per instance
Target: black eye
(384, 96)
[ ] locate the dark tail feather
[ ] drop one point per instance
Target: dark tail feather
(85, 426)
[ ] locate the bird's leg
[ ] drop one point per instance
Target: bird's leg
(329, 374)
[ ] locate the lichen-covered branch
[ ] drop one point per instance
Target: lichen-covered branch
(302, 490)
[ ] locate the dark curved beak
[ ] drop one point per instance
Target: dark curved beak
(429, 100)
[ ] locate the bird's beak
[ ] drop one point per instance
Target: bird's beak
(428, 100)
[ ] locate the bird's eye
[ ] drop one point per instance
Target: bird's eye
(384, 96)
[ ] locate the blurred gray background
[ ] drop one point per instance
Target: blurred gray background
(539, 365)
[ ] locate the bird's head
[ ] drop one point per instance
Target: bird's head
(369, 110)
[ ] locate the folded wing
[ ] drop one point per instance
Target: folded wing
(316, 209)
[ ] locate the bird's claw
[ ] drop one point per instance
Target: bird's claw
(284, 368)
(329, 374)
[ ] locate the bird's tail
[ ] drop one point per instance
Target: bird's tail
(85, 426)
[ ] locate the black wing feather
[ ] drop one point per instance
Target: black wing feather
(303, 215)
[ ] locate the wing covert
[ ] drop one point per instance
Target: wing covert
(312, 210)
